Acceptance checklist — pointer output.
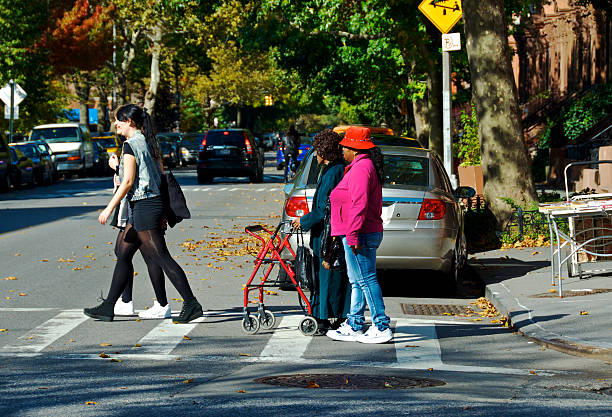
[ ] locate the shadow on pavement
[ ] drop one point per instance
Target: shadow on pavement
(500, 269)
(20, 218)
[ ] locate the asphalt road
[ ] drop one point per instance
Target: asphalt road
(62, 259)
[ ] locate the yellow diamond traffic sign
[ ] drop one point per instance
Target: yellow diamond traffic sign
(443, 13)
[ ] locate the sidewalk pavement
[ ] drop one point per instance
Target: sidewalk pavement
(518, 282)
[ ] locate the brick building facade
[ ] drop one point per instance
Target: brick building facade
(562, 51)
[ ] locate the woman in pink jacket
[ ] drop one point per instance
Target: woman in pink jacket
(356, 207)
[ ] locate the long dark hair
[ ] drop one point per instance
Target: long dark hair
(142, 121)
(379, 162)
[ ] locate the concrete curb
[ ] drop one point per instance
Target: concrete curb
(509, 307)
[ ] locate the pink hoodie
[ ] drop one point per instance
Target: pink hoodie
(356, 202)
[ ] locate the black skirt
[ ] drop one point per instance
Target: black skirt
(146, 214)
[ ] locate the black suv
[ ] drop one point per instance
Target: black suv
(230, 153)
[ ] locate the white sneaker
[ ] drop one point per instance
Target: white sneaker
(344, 333)
(156, 312)
(373, 335)
(124, 309)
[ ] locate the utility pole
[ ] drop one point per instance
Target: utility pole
(12, 84)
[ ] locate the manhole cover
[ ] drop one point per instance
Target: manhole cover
(572, 293)
(433, 309)
(348, 381)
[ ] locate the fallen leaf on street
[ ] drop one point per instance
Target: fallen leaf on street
(91, 403)
(137, 345)
(115, 360)
(17, 254)
(44, 260)
(430, 369)
(188, 381)
(10, 279)
(77, 268)
(387, 385)
(532, 372)
(103, 355)
(3, 330)
(244, 354)
(105, 344)
(552, 291)
(186, 337)
(312, 384)
(584, 313)
(241, 391)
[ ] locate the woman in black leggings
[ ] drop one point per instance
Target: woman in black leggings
(140, 171)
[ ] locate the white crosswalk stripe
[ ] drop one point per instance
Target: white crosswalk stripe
(48, 332)
(415, 342)
(165, 337)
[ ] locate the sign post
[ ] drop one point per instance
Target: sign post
(445, 14)
(12, 94)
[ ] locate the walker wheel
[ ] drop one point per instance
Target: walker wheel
(250, 324)
(308, 326)
(267, 320)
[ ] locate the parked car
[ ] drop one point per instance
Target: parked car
(109, 141)
(230, 153)
(422, 216)
(189, 147)
(42, 164)
(22, 168)
(101, 158)
(168, 155)
(45, 149)
(305, 145)
(5, 164)
(72, 145)
(173, 139)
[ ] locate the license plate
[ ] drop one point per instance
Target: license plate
(224, 151)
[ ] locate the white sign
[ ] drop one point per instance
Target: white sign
(5, 94)
(451, 42)
(7, 112)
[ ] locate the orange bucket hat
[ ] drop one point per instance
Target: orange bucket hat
(357, 137)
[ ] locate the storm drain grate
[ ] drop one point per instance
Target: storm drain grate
(572, 293)
(433, 309)
(348, 381)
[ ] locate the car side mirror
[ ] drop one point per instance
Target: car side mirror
(465, 192)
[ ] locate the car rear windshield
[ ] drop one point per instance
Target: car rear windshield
(404, 171)
(192, 139)
(107, 142)
(225, 137)
(56, 134)
(28, 150)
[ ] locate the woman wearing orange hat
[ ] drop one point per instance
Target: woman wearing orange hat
(356, 207)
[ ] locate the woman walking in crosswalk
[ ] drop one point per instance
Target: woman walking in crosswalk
(141, 170)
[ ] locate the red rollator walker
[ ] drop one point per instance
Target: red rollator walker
(270, 254)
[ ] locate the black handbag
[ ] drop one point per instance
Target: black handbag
(174, 199)
(332, 250)
(304, 265)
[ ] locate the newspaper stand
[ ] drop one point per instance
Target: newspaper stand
(590, 233)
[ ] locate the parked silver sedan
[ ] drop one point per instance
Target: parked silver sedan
(422, 216)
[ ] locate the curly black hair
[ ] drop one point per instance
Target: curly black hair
(327, 145)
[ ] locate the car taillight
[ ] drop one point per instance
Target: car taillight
(247, 143)
(432, 209)
(296, 207)
(74, 158)
(203, 144)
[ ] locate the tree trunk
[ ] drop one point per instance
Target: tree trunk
(505, 164)
(82, 88)
(238, 117)
(151, 95)
(129, 53)
(421, 121)
(103, 122)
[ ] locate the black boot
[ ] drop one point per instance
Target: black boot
(104, 311)
(191, 310)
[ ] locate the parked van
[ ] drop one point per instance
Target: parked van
(71, 144)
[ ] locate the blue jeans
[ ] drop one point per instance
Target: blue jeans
(361, 270)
